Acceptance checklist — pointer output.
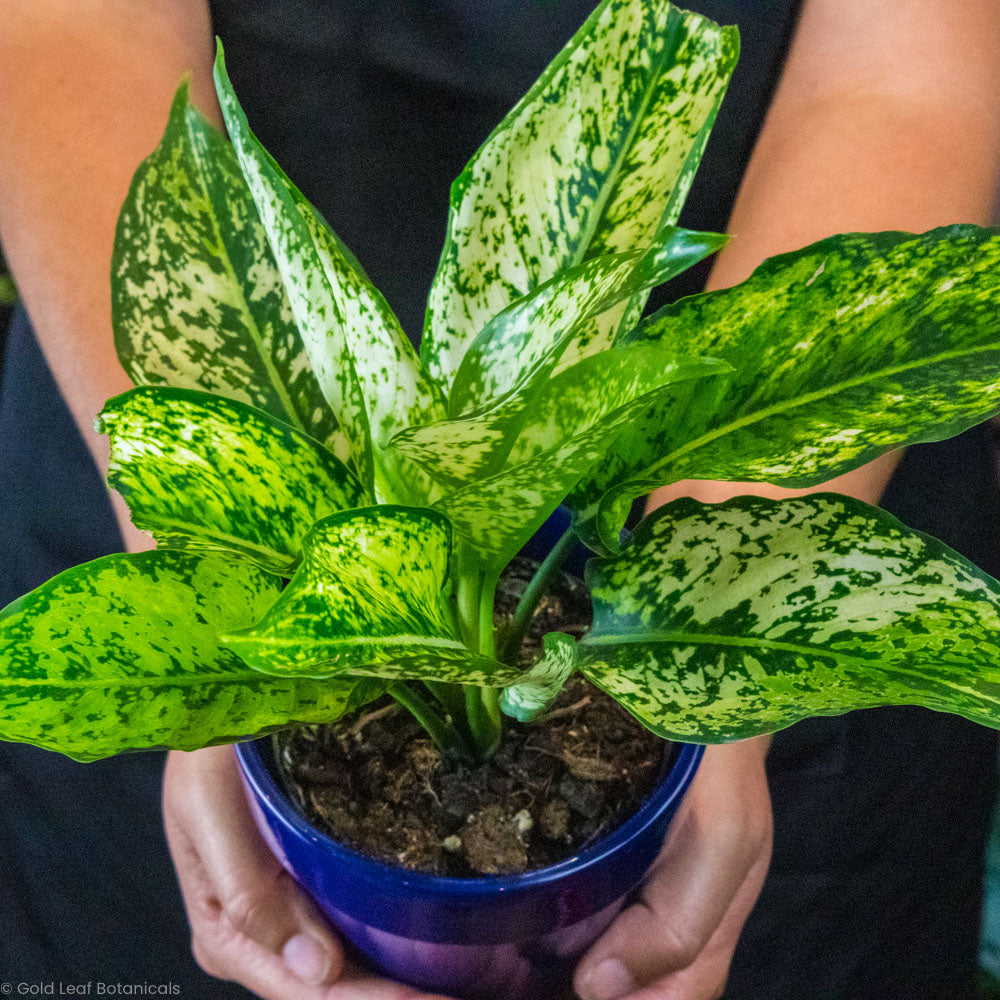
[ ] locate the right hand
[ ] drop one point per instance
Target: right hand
(250, 922)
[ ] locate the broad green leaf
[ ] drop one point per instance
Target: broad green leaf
(366, 367)
(540, 685)
(369, 600)
(593, 160)
(717, 623)
(847, 349)
(562, 433)
(546, 413)
(529, 338)
(204, 472)
(196, 297)
(122, 653)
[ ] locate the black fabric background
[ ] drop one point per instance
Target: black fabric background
(373, 107)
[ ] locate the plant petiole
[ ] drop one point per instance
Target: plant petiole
(445, 736)
(513, 635)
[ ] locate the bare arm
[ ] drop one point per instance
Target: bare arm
(85, 86)
(886, 117)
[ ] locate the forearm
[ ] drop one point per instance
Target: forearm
(885, 118)
(84, 92)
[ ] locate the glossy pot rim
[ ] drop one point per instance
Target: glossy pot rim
(677, 776)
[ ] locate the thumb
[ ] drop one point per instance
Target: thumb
(682, 932)
(249, 919)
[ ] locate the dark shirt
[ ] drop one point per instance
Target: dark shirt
(373, 107)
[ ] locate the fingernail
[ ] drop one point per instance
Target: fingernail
(308, 957)
(608, 981)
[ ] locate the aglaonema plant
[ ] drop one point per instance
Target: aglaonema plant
(333, 510)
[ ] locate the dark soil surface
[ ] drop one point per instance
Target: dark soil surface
(375, 782)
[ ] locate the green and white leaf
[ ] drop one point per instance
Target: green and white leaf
(717, 623)
(196, 297)
(366, 367)
(541, 685)
(369, 599)
(566, 428)
(546, 413)
(593, 160)
(204, 472)
(530, 337)
(847, 349)
(122, 653)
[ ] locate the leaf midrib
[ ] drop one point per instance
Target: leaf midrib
(436, 642)
(670, 47)
(160, 680)
(875, 664)
(255, 334)
(877, 660)
(812, 397)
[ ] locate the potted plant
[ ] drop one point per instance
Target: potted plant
(334, 512)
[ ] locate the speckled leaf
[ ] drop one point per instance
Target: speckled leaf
(528, 339)
(204, 472)
(196, 297)
(546, 413)
(122, 654)
(366, 367)
(566, 429)
(541, 685)
(597, 155)
(849, 348)
(721, 622)
(369, 600)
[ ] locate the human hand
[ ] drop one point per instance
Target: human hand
(678, 941)
(249, 920)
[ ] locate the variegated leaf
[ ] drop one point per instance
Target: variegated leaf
(597, 155)
(541, 685)
(366, 367)
(721, 622)
(122, 653)
(196, 297)
(204, 472)
(369, 600)
(546, 413)
(529, 338)
(849, 348)
(566, 429)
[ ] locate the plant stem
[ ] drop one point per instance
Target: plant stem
(451, 698)
(467, 598)
(482, 711)
(447, 738)
(514, 633)
(482, 705)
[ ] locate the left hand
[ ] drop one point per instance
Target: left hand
(678, 941)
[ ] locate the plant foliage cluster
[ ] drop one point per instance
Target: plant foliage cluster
(333, 509)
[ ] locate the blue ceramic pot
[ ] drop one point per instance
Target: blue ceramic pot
(481, 938)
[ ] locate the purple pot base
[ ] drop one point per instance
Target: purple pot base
(537, 967)
(487, 938)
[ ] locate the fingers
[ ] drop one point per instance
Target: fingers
(249, 920)
(705, 978)
(678, 940)
(372, 988)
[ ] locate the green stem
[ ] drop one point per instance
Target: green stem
(482, 711)
(485, 629)
(482, 705)
(447, 738)
(515, 632)
(467, 598)
(450, 696)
